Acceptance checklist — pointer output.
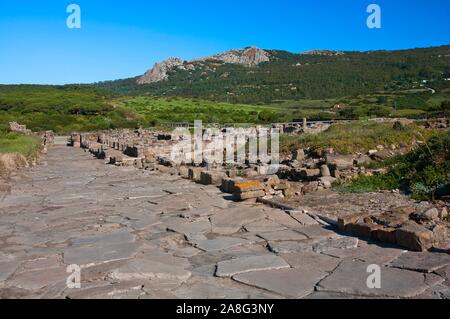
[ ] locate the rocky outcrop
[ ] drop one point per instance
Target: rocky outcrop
(250, 56)
(160, 71)
(17, 128)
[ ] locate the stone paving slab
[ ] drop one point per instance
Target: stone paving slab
(423, 262)
(351, 278)
(140, 234)
(232, 267)
(290, 283)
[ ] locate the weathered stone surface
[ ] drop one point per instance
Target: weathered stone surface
(370, 253)
(283, 235)
(232, 220)
(219, 243)
(142, 269)
(250, 195)
(302, 218)
(239, 265)
(311, 261)
(263, 226)
(89, 255)
(414, 237)
(34, 280)
(290, 283)
(351, 278)
(316, 231)
(211, 178)
(196, 227)
(344, 221)
(367, 230)
(313, 245)
(8, 264)
(248, 186)
(146, 234)
(422, 261)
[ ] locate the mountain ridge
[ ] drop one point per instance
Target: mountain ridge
(253, 75)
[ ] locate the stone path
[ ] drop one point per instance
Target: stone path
(141, 234)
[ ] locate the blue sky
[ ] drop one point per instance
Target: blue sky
(119, 39)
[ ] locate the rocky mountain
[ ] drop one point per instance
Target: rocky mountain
(249, 57)
(253, 75)
(160, 71)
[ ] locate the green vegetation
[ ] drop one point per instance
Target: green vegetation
(424, 172)
(28, 146)
(61, 108)
(354, 137)
(290, 76)
(158, 110)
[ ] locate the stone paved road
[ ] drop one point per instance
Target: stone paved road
(140, 234)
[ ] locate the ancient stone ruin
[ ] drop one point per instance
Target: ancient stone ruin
(302, 172)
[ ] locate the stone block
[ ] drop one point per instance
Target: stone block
(250, 195)
(249, 186)
(414, 237)
(211, 178)
(194, 173)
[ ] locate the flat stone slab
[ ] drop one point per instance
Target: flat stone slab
(118, 237)
(371, 253)
(239, 265)
(230, 221)
(92, 255)
(219, 243)
(35, 280)
(263, 226)
(313, 245)
(196, 227)
(311, 261)
(317, 231)
(144, 269)
(282, 218)
(424, 262)
(283, 235)
(290, 283)
(303, 219)
(351, 278)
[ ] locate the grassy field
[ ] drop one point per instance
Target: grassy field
(157, 110)
(28, 146)
(354, 137)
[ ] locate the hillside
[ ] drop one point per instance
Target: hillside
(253, 75)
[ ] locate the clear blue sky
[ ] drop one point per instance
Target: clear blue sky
(120, 39)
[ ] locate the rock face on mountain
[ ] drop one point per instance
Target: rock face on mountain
(160, 71)
(250, 56)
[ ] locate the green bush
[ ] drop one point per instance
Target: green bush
(424, 172)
